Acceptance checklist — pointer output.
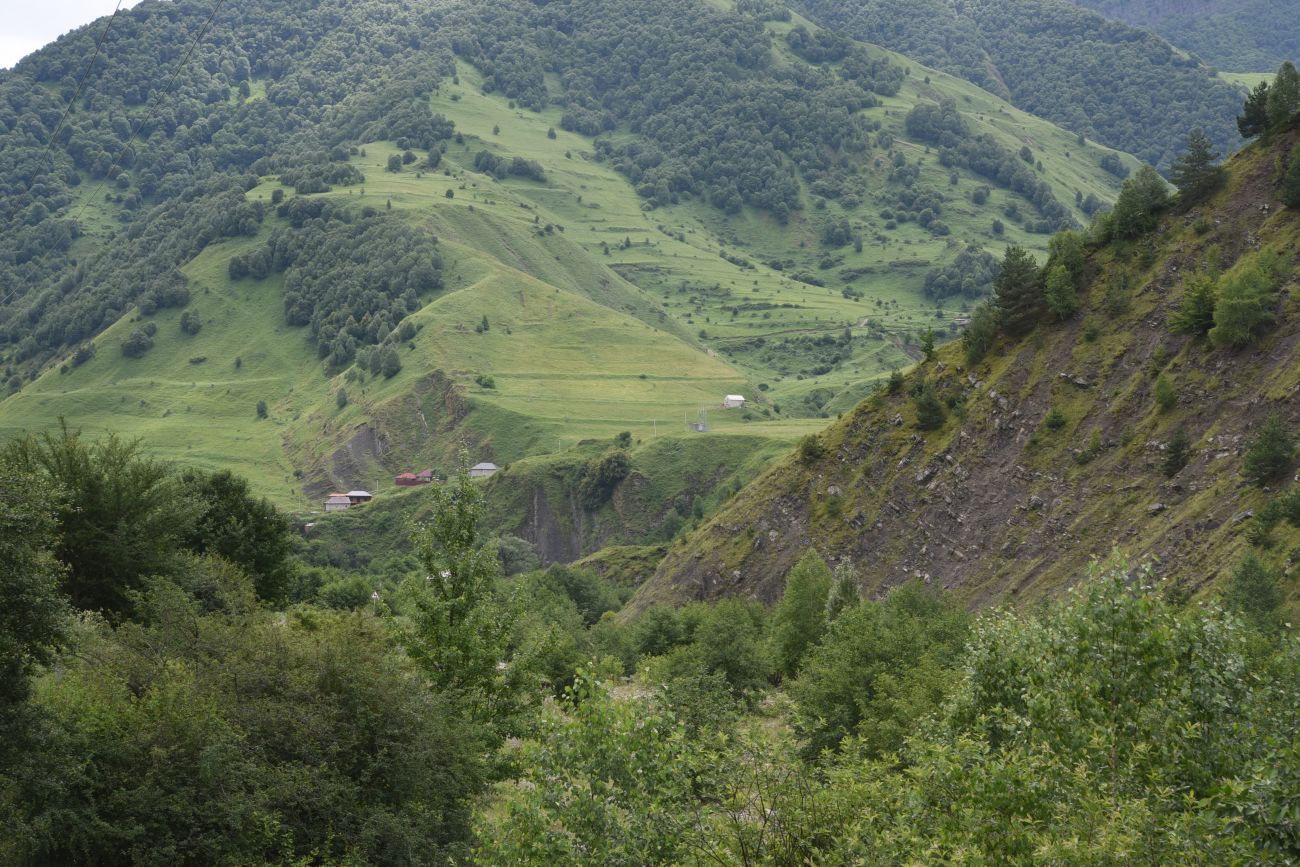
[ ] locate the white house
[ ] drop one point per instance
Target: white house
(338, 503)
(483, 470)
(733, 401)
(356, 498)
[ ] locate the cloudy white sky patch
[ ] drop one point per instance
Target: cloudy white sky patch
(26, 25)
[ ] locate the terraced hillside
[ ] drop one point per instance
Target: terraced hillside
(1057, 446)
(605, 311)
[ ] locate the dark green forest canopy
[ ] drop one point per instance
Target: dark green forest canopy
(176, 162)
(1121, 86)
(1243, 35)
(715, 114)
(169, 166)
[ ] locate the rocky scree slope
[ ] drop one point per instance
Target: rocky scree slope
(999, 505)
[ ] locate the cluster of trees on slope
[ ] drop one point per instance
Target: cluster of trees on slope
(715, 116)
(351, 279)
(1244, 36)
(1231, 309)
(942, 125)
(168, 164)
(1124, 87)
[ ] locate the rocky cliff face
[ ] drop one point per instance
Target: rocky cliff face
(997, 505)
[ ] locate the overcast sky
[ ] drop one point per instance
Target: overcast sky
(26, 25)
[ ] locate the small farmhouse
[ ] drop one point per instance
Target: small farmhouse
(483, 470)
(356, 498)
(338, 503)
(733, 401)
(411, 480)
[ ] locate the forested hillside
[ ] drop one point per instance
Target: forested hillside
(1143, 393)
(1106, 80)
(1238, 35)
(350, 257)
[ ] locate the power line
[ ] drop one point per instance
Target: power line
(85, 74)
(135, 131)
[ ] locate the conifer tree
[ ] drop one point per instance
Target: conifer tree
(1241, 309)
(1195, 173)
(1016, 293)
(1058, 290)
(1271, 454)
(1141, 197)
(930, 413)
(1291, 180)
(1284, 95)
(1177, 452)
(1253, 592)
(1195, 315)
(1253, 119)
(799, 620)
(979, 335)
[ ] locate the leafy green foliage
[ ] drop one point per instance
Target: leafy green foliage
(210, 738)
(33, 612)
(930, 411)
(799, 619)
(457, 626)
(1291, 180)
(1284, 95)
(600, 476)
(1244, 303)
(242, 529)
(881, 668)
(351, 282)
(1253, 592)
(121, 517)
(692, 106)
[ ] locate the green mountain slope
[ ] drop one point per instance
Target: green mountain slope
(1239, 35)
(608, 308)
(1125, 87)
(1055, 447)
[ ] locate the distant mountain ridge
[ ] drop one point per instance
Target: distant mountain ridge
(1125, 87)
(1234, 35)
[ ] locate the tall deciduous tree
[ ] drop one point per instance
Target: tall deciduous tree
(799, 620)
(33, 612)
(458, 627)
(121, 517)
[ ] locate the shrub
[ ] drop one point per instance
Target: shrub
(810, 449)
(137, 344)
